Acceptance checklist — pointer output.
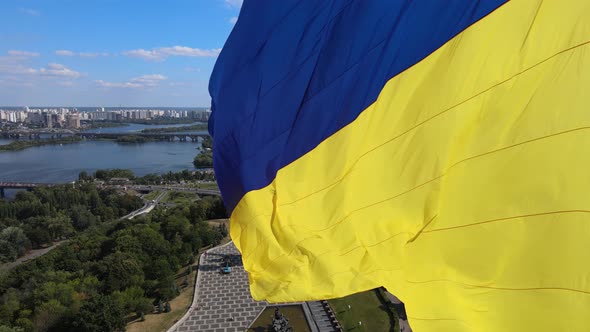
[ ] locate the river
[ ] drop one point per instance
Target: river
(63, 163)
(134, 128)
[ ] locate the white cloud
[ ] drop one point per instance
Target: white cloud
(14, 64)
(25, 54)
(161, 53)
(146, 55)
(233, 20)
(31, 12)
(57, 70)
(145, 81)
(13, 81)
(179, 84)
(65, 83)
(234, 3)
(81, 54)
(64, 53)
(16, 71)
(92, 54)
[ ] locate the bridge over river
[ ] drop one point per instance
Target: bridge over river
(20, 185)
(158, 136)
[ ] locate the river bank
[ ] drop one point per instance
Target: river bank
(63, 163)
(24, 144)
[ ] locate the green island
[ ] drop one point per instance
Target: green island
(24, 144)
(204, 159)
(201, 126)
(110, 271)
(105, 124)
(134, 139)
(161, 121)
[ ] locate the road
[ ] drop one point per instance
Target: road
(199, 191)
(30, 255)
(147, 208)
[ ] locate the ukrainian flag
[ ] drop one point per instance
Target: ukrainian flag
(438, 148)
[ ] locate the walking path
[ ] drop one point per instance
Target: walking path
(29, 256)
(401, 312)
(222, 302)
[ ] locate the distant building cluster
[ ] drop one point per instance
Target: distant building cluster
(47, 117)
(144, 114)
(70, 118)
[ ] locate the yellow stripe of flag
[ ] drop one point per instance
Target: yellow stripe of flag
(464, 189)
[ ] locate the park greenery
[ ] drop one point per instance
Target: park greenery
(200, 126)
(24, 144)
(110, 270)
(207, 143)
(205, 158)
(47, 214)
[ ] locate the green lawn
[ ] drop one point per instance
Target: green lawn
(208, 185)
(152, 195)
(179, 198)
(366, 308)
(294, 313)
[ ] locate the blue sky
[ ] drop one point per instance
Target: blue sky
(111, 52)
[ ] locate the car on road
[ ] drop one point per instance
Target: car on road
(226, 265)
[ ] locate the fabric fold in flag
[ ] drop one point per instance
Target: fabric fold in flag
(434, 148)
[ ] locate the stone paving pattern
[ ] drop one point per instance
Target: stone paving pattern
(223, 302)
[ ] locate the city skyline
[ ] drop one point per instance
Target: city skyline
(111, 54)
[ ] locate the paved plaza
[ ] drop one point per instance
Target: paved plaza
(222, 301)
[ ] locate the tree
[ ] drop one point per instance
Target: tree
(197, 212)
(84, 177)
(120, 270)
(59, 226)
(82, 218)
(175, 225)
(48, 314)
(16, 236)
(9, 305)
(133, 300)
(7, 252)
(167, 307)
(4, 328)
(207, 142)
(107, 174)
(203, 160)
(101, 313)
(160, 307)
